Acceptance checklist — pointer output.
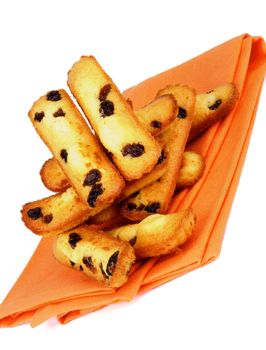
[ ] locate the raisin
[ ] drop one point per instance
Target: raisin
(111, 263)
(106, 108)
(103, 272)
(131, 206)
(39, 116)
(59, 113)
(104, 92)
(135, 194)
(140, 207)
(72, 263)
(95, 192)
(35, 213)
(64, 154)
(92, 177)
(53, 95)
(132, 241)
(156, 124)
(48, 218)
(153, 207)
(182, 113)
(161, 158)
(81, 267)
(134, 150)
(73, 239)
(87, 261)
(215, 105)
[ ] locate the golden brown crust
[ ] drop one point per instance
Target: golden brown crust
(105, 215)
(158, 234)
(191, 170)
(156, 197)
(157, 115)
(53, 177)
(69, 211)
(56, 214)
(133, 149)
(95, 253)
(132, 187)
(79, 154)
(108, 218)
(213, 106)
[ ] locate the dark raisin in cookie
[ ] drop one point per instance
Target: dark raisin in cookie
(53, 95)
(73, 239)
(133, 150)
(92, 177)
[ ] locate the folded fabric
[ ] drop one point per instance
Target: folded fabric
(45, 288)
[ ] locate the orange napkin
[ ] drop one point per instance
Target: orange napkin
(46, 288)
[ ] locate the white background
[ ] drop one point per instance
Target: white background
(220, 306)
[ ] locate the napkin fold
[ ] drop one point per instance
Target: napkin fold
(46, 288)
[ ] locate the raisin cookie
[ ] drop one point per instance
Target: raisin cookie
(133, 150)
(157, 115)
(96, 254)
(132, 187)
(156, 197)
(213, 106)
(66, 210)
(157, 234)
(56, 214)
(53, 177)
(191, 170)
(55, 180)
(78, 152)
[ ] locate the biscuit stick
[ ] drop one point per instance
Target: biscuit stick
(96, 254)
(157, 234)
(191, 170)
(157, 115)
(55, 180)
(212, 106)
(156, 197)
(56, 214)
(134, 151)
(78, 152)
(154, 117)
(60, 212)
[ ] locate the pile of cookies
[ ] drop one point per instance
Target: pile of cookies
(115, 174)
